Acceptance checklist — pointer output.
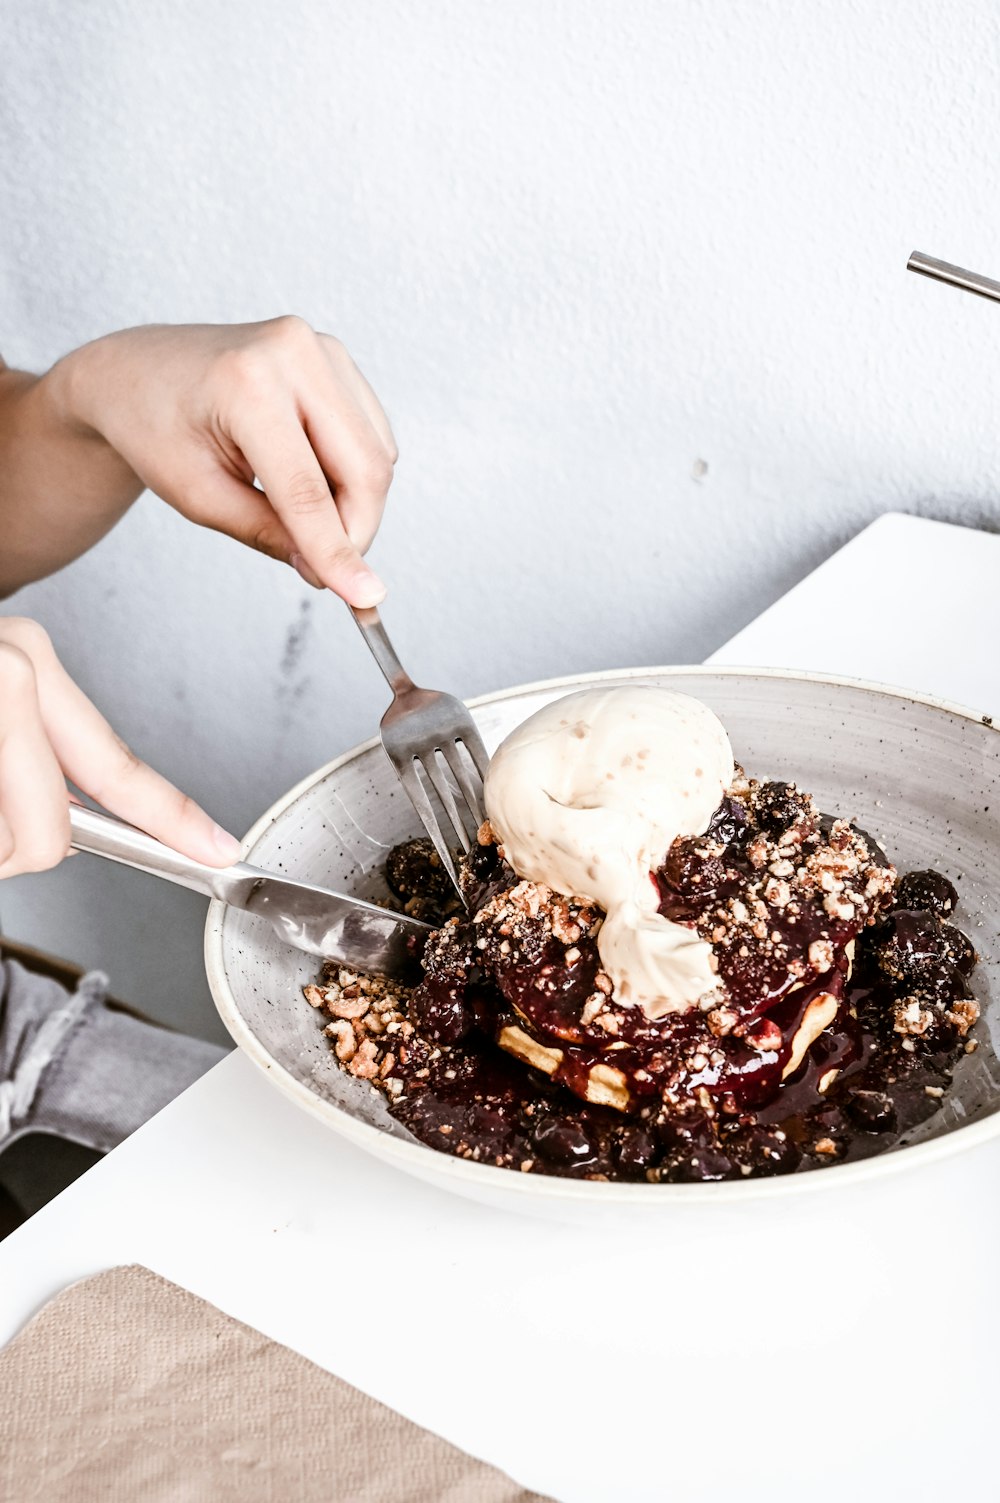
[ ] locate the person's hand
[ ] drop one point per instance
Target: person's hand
(200, 411)
(50, 731)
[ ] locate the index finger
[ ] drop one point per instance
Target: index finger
(294, 482)
(101, 765)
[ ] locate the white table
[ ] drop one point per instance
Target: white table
(844, 1344)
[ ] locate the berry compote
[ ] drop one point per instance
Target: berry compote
(842, 1006)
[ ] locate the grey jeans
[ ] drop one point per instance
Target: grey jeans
(72, 1066)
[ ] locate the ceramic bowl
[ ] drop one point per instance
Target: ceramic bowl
(921, 774)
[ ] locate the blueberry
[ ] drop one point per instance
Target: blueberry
(928, 891)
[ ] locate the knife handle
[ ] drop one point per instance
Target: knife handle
(101, 835)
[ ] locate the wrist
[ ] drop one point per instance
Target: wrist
(76, 397)
(70, 389)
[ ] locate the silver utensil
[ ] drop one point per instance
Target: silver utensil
(943, 271)
(329, 924)
(426, 736)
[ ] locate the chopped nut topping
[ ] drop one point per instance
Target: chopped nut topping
(821, 955)
(778, 894)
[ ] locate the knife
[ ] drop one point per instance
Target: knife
(315, 919)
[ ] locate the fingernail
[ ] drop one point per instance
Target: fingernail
(367, 589)
(227, 845)
(300, 566)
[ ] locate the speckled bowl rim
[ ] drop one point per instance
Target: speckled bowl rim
(486, 1180)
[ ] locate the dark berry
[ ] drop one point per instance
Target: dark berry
(827, 1121)
(687, 881)
(961, 950)
(928, 891)
(482, 874)
(780, 806)
(562, 1141)
(773, 1155)
(941, 985)
(728, 824)
(705, 1165)
(693, 1152)
(866, 970)
(439, 1010)
(414, 872)
(679, 1135)
(872, 1111)
(909, 944)
(637, 1149)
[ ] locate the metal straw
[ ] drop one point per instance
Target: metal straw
(943, 271)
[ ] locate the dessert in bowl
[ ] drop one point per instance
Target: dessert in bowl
(753, 991)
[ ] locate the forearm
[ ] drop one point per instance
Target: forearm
(62, 486)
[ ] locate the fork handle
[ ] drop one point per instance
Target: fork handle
(371, 628)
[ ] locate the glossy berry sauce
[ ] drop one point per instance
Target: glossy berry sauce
(700, 1106)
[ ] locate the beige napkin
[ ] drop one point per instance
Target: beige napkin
(127, 1389)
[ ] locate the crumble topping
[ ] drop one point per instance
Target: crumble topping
(842, 1005)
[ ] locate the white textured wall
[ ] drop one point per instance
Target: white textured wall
(584, 251)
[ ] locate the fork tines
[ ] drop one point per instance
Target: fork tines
(454, 771)
(432, 742)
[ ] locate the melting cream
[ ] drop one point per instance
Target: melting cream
(588, 795)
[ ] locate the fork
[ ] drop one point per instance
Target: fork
(426, 735)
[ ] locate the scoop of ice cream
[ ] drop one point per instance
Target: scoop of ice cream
(587, 796)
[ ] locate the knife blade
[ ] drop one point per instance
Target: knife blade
(318, 920)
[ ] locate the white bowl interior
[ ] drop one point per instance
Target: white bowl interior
(919, 775)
